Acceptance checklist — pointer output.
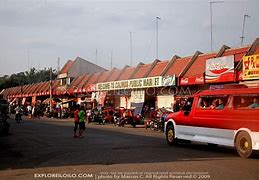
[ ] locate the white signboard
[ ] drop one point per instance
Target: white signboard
(168, 80)
(137, 96)
(157, 81)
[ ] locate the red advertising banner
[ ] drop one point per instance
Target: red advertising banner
(91, 88)
(239, 75)
(220, 69)
(192, 80)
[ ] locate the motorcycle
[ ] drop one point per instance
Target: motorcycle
(18, 117)
(156, 125)
(100, 118)
(119, 121)
(118, 117)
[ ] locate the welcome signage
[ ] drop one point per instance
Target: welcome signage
(132, 84)
(251, 67)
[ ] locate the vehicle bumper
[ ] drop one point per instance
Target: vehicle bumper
(255, 136)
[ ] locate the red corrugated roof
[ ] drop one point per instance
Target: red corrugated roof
(18, 90)
(198, 67)
(84, 81)
(142, 71)
(45, 88)
(37, 86)
(93, 79)
(66, 67)
(10, 91)
(256, 51)
(42, 87)
(75, 83)
(91, 83)
(55, 85)
(115, 75)
(29, 89)
(24, 88)
(104, 76)
(237, 52)
(127, 73)
(158, 69)
(14, 90)
(178, 66)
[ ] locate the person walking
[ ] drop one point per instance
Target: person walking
(18, 114)
(76, 119)
(29, 109)
(81, 116)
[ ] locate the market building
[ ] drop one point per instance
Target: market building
(159, 83)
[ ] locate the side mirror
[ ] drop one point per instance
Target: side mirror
(186, 113)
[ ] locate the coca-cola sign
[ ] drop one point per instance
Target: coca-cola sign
(220, 69)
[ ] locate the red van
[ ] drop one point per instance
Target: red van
(227, 117)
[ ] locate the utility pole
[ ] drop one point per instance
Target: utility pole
(130, 48)
(96, 56)
(111, 60)
(28, 58)
(211, 39)
(157, 18)
(50, 88)
(58, 68)
(243, 29)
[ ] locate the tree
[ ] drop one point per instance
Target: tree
(27, 77)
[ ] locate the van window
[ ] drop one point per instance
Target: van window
(246, 101)
(212, 102)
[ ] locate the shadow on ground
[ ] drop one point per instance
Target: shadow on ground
(40, 143)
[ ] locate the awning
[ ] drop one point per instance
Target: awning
(13, 101)
(68, 101)
(47, 101)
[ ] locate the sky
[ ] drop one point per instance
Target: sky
(35, 33)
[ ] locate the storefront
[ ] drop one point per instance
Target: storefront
(128, 93)
(165, 95)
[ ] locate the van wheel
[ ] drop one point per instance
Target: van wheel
(170, 135)
(243, 144)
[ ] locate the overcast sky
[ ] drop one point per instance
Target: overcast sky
(37, 32)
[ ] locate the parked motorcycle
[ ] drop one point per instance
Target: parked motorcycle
(119, 121)
(18, 114)
(156, 124)
(100, 118)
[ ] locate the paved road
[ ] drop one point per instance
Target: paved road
(45, 147)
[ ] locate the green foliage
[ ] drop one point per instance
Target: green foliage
(27, 77)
